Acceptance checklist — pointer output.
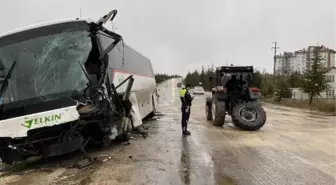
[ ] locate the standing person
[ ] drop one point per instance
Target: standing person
(186, 100)
(225, 78)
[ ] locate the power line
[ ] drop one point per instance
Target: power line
(275, 52)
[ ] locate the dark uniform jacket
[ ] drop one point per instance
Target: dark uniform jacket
(185, 97)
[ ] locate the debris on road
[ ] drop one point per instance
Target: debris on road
(84, 163)
(106, 159)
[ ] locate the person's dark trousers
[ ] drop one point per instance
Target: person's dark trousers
(227, 103)
(185, 119)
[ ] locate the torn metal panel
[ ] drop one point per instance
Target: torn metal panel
(136, 116)
(144, 90)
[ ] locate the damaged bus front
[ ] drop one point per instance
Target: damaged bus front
(56, 94)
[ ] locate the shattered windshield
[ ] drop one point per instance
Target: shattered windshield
(47, 63)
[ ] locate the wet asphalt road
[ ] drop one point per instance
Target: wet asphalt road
(294, 147)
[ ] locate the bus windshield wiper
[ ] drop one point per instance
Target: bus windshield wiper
(5, 81)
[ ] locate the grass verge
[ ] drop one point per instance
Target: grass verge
(322, 105)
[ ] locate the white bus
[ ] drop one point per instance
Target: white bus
(57, 87)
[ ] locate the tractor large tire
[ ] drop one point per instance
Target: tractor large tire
(218, 113)
(248, 116)
(208, 109)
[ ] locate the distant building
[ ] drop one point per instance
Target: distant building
(280, 66)
(330, 94)
(301, 60)
(282, 63)
(331, 75)
(328, 56)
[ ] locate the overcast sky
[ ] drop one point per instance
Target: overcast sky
(182, 35)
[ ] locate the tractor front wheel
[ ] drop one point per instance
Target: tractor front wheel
(248, 116)
(218, 113)
(208, 109)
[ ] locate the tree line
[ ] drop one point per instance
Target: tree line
(162, 77)
(313, 81)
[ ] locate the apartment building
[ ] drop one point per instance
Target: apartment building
(301, 60)
(330, 75)
(297, 93)
(280, 66)
(328, 56)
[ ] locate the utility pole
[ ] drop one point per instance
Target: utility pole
(80, 12)
(275, 52)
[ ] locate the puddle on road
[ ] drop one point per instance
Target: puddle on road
(186, 170)
(222, 180)
(184, 167)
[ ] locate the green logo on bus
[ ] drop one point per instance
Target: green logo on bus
(42, 120)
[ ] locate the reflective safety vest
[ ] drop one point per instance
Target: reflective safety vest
(183, 92)
(185, 97)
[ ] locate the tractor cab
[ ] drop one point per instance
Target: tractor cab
(244, 76)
